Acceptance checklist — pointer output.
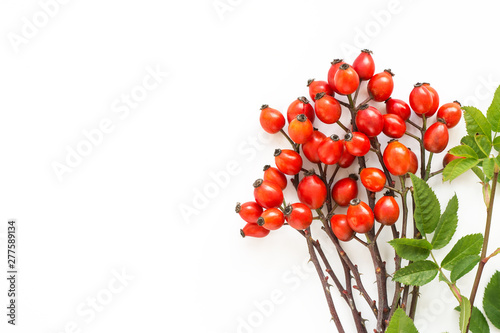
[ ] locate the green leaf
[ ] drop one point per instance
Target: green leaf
(483, 143)
(457, 167)
(447, 225)
(471, 142)
(463, 267)
(479, 173)
(417, 273)
(478, 323)
(476, 122)
(463, 151)
(491, 300)
(401, 323)
(489, 167)
(493, 113)
(427, 209)
(465, 312)
(496, 143)
(412, 249)
(466, 246)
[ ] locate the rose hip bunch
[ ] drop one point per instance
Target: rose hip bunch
(270, 212)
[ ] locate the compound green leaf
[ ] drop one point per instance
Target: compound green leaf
(412, 249)
(401, 323)
(427, 209)
(417, 273)
(489, 167)
(465, 312)
(493, 113)
(464, 266)
(463, 151)
(447, 225)
(476, 122)
(483, 143)
(471, 142)
(468, 245)
(479, 173)
(478, 323)
(457, 167)
(491, 300)
(496, 143)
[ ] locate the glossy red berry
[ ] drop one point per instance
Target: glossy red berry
(450, 113)
(435, 100)
(330, 149)
(396, 158)
(381, 85)
(317, 87)
(254, 230)
(394, 126)
(300, 106)
(421, 99)
(271, 120)
(413, 162)
(249, 211)
(373, 179)
(312, 191)
(360, 216)
(346, 159)
(346, 80)
(345, 190)
(288, 161)
(267, 194)
(398, 107)
(300, 129)
(369, 120)
(364, 65)
(332, 71)
(436, 137)
(275, 176)
(357, 143)
(327, 108)
(298, 216)
(310, 148)
(271, 219)
(341, 228)
(386, 210)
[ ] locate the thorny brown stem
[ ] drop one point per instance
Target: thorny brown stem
(346, 293)
(378, 263)
(353, 268)
(324, 282)
(489, 214)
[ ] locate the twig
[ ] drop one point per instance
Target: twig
(346, 293)
(324, 283)
(364, 102)
(354, 269)
(489, 214)
(414, 125)
(288, 138)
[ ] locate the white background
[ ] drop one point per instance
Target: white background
(119, 209)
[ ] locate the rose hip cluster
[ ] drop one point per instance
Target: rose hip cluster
(270, 212)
